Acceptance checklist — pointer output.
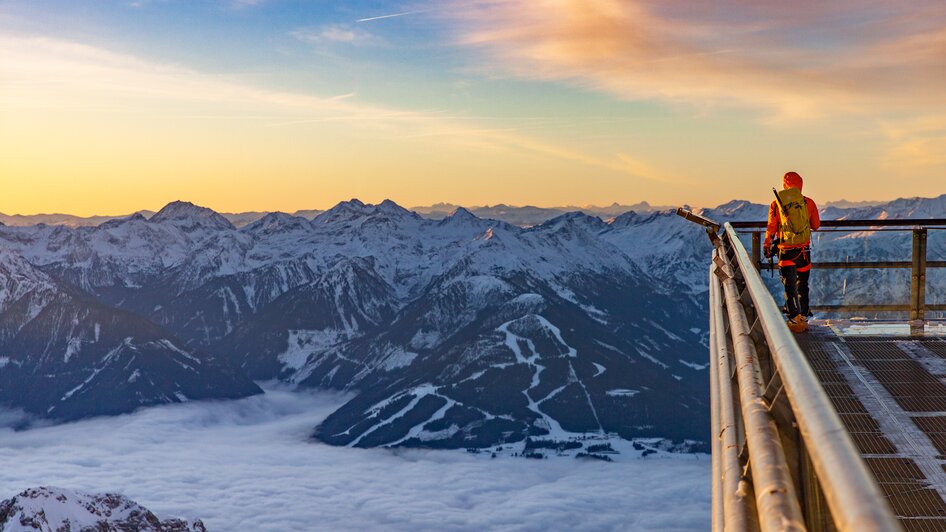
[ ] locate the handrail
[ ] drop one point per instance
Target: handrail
(902, 222)
(917, 306)
(855, 501)
(776, 496)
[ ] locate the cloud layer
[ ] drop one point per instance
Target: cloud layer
(246, 465)
(791, 61)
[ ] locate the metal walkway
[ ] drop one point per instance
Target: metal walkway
(839, 428)
(888, 384)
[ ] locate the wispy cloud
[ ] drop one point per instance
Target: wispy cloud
(44, 73)
(334, 33)
(247, 3)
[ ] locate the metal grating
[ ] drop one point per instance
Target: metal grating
(936, 346)
(894, 462)
(908, 381)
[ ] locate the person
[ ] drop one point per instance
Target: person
(792, 218)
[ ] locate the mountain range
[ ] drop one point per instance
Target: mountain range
(525, 216)
(458, 332)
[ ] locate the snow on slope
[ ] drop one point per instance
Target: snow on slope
(56, 509)
(415, 301)
(66, 356)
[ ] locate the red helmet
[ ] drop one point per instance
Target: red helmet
(792, 180)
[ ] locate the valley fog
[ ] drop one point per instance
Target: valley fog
(248, 465)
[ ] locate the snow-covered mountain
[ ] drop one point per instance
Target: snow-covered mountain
(674, 249)
(669, 248)
(879, 286)
(64, 355)
(48, 509)
(554, 320)
(457, 332)
(517, 215)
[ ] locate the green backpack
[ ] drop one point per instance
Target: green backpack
(794, 229)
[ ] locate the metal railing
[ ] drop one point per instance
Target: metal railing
(917, 306)
(782, 459)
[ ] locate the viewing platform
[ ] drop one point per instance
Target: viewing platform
(842, 427)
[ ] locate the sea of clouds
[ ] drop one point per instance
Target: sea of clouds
(249, 465)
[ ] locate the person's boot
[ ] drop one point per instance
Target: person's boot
(798, 324)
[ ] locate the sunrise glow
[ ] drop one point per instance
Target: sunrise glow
(111, 107)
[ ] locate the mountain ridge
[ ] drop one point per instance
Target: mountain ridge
(441, 210)
(459, 327)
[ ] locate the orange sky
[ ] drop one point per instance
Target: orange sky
(543, 102)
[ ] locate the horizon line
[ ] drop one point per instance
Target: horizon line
(564, 208)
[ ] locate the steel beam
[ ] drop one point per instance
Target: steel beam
(861, 308)
(730, 480)
(857, 265)
(776, 499)
(864, 224)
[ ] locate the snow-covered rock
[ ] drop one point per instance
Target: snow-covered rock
(49, 509)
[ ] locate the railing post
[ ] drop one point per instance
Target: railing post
(757, 250)
(918, 276)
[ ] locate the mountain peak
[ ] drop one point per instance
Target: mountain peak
(353, 209)
(389, 207)
(733, 205)
(189, 216)
(343, 211)
(622, 220)
(575, 218)
(275, 222)
(354, 202)
(462, 213)
(463, 219)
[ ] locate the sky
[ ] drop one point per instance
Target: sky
(110, 106)
(247, 465)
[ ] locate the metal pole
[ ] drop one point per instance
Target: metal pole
(757, 249)
(853, 495)
(921, 278)
(730, 480)
(776, 499)
(915, 278)
(717, 514)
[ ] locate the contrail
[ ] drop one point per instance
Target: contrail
(388, 16)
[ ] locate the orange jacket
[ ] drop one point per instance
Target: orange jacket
(814, 221)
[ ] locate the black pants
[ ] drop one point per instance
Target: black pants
(795, 267)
